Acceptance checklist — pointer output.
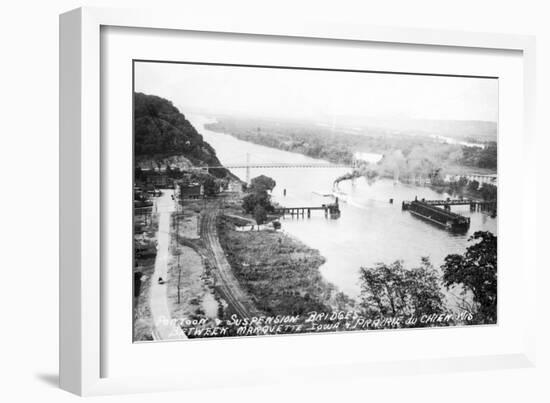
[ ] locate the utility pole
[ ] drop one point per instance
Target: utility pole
(247, 168)
(179, 278)
(178, 251)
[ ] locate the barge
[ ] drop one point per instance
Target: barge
(437, 215)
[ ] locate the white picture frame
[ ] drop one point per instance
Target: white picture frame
(82, 339)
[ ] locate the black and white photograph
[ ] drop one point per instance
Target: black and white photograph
(270, 200)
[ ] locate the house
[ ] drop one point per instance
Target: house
(160, 180)
(192, 190)
(150, 179)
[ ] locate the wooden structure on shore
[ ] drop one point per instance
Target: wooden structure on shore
(331, 210)
(475, 205)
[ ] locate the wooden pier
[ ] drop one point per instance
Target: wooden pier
(330, 210)
(475, 205)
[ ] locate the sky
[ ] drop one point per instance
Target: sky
(318, 95)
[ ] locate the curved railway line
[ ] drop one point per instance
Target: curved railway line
(226, 282)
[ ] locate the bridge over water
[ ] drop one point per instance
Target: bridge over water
(275, 164)
(281, 165)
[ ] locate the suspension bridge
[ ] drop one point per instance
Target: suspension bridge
(248, 165)
(280, 165)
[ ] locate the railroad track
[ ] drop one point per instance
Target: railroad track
(225, 279)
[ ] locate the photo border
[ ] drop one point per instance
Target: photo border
(217, 64)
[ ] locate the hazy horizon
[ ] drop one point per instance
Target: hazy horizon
(330, 97)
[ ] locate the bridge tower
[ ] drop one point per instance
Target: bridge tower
(354, 166)
(247, 179)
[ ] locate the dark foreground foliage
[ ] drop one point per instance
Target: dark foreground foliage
(476, 271)
(392, 291)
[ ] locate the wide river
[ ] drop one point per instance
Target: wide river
(369, 230)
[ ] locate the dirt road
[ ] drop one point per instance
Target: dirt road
(163, 328)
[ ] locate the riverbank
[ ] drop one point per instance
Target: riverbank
(280, 273)
(340, 146)
(456, 189)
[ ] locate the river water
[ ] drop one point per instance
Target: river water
(369, 230)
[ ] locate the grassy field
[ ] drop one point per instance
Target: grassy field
(279, 272)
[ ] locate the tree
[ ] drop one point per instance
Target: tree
(476, 271)
(252, 200)
(261, 183)
(488, 191)
(138, 174)
(457, 187)
(210, 186)
(473, 186)
(257, 194)
(391, 290)
(260, 215)
(488, 156)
